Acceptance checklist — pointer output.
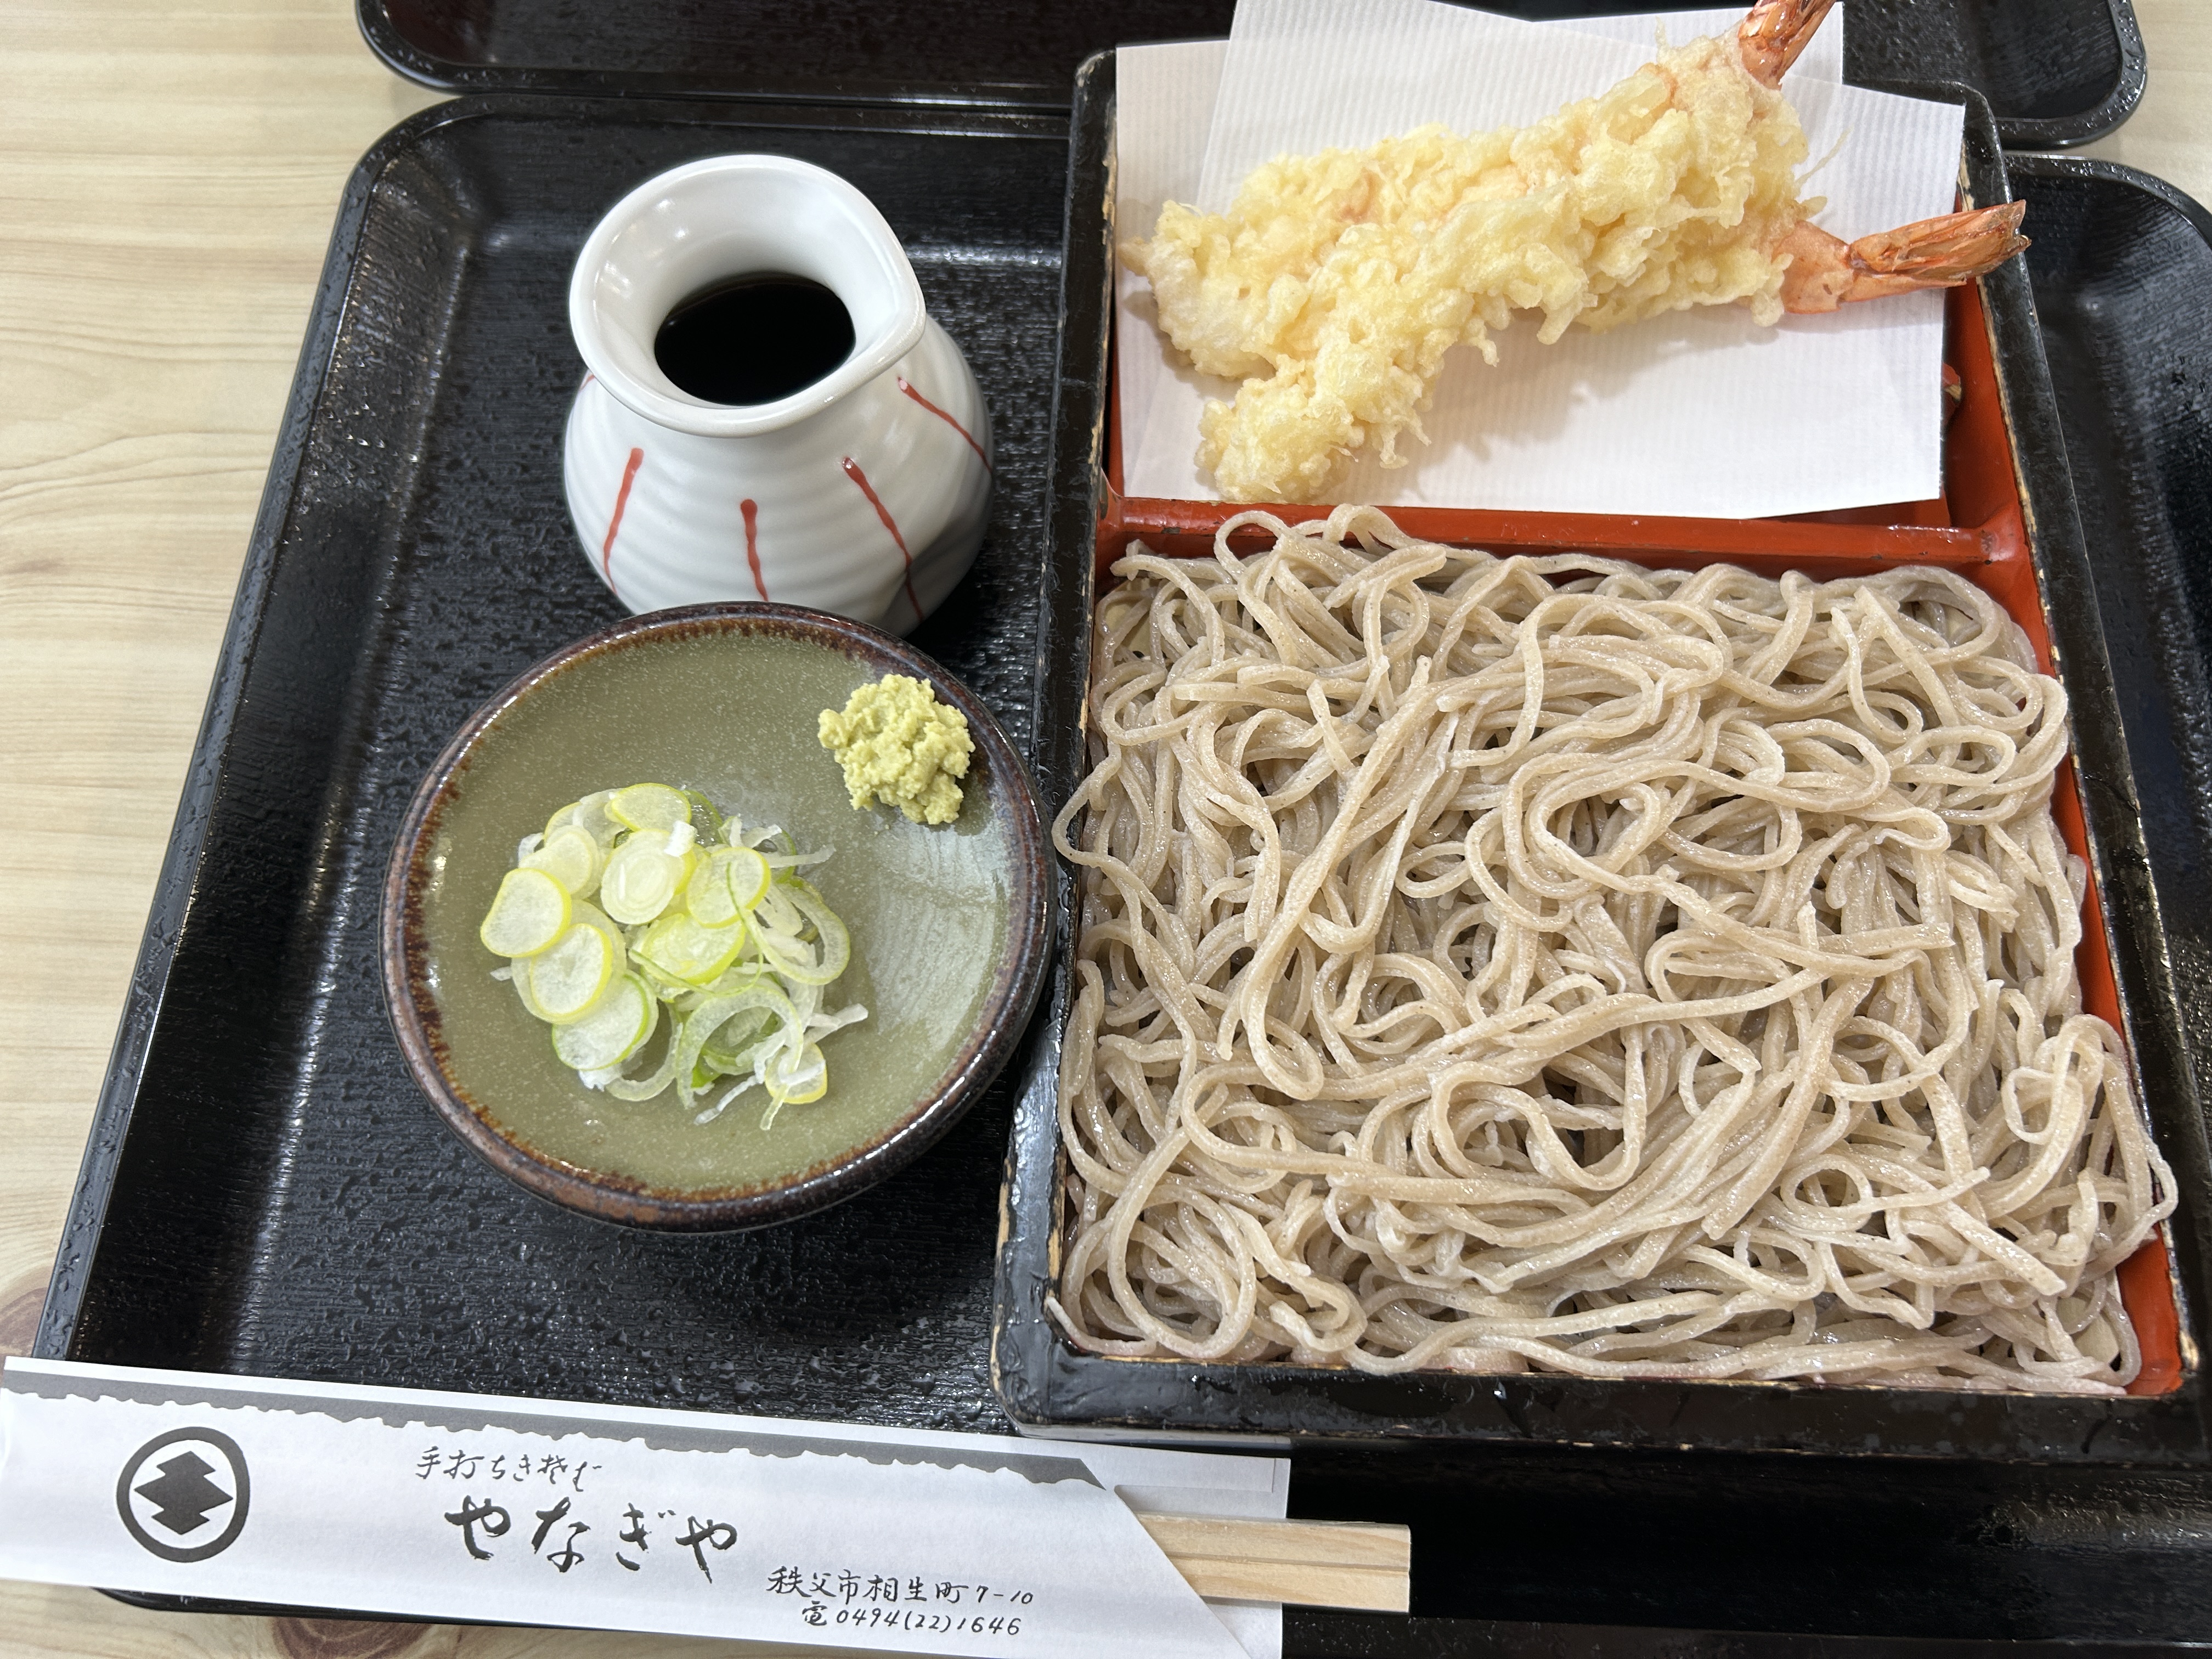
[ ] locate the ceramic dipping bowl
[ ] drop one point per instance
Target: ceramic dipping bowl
(949, 924)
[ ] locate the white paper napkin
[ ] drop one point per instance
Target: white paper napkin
(421, 1503)
(1701, 413)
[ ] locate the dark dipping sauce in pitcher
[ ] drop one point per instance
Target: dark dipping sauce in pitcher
(754, 339)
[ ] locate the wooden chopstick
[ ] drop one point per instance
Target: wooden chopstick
(1315, 1564)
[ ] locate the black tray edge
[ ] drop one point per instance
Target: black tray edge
(409, 61)
(168, 914)
(1027, 1264)
(405, 58)
(2085, 126)
(2117, 173)
(1048, 1389)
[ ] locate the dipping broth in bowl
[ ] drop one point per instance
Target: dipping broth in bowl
(947, 922)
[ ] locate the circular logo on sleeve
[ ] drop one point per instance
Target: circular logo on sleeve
(183, 1494)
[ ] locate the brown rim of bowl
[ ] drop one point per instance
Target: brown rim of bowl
(1012, 998)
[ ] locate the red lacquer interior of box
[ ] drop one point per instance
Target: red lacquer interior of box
(1975, 527)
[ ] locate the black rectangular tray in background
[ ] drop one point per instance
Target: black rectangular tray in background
(2122, 268)
(266, 1192)
(2056, 72)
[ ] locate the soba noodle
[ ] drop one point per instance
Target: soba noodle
(1547, 963)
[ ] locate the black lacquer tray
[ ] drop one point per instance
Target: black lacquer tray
(265, 1191)
(2122, 267)
(2056, 72)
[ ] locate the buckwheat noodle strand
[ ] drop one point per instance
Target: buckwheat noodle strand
(1546, 963)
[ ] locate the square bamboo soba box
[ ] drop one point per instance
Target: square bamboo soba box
(2005, 522)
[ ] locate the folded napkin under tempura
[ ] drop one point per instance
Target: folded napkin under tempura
(1702, 412)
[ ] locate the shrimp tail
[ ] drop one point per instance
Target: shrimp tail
(1825, 271)
(1770, 38)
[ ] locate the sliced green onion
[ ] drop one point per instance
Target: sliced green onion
(785, 948)
(728, 880)
(702, 931)
(642, 877)
(793, 1080)
(688, 949)
(650, 806)
(570, 855)
(568, 980)
(591, 815)
(621, 1025)
(702, 1022)
(528, 914)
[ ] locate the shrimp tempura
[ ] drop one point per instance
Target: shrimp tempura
(1336, 283)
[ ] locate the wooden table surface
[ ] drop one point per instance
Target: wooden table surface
(168, 176)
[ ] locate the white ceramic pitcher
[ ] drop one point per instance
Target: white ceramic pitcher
(864, 493)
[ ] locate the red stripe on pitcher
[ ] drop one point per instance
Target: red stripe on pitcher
(622, 502)
(853, 471)
(749, 509)
(948, 420)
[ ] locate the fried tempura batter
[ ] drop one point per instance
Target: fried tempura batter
(1336, 283)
